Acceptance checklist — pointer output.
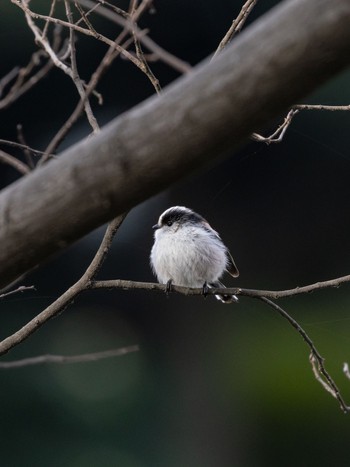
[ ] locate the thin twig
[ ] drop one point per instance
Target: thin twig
(236, 25)
(105, 63)
(75, 74)
(23, 80)
(123, 20)
(20, 146)
(62, 359)
(30, 15)
(22, 288)
(84, 16)
(51, 13)
(332, 108)
(26, 152)
(20, 166)
(278, 134)
(6, 80)
(140, 55)
(316, 359)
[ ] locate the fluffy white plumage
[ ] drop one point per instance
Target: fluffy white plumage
(188, 252)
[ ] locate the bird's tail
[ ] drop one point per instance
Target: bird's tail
(224, 298)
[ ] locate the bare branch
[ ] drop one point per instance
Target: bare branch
(26, 151)
(319, 376)
(22, 288)
(21, 167)
(20, 146)
(332, 108)
(30, 15)
(21, 85)
(278, 135)
(316, 359)
(75, 75)
(62, 359)
(346, 370)
(6, 80)
(236, 25)
(273, 294)
(124, 21)
(105, 63)
(51, 13)
(140, 55)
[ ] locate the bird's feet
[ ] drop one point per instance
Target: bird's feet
(169, 286)
(205, 290)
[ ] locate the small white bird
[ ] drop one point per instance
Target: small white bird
(189, 253)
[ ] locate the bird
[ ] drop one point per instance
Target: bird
(188, 252)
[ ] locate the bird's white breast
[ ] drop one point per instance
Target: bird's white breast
(189, 256)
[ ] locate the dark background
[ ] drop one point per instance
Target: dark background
(212, 385)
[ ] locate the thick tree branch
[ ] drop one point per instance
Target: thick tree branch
(213, 109)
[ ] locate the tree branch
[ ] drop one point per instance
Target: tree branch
(316, 359)
(62, 359)
(272, 294)
(236, 25)
(21, 289)
(12, 161)
(203, 107)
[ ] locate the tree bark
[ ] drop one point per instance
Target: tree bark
(280, 58)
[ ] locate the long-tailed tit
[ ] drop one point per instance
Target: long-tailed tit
(188, 252)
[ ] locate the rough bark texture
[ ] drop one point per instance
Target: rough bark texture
(279, 59)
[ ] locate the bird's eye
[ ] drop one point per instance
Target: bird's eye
(169, 223)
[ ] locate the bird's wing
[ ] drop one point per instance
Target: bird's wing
(231, 266)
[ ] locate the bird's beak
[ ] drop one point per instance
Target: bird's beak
(155, 227)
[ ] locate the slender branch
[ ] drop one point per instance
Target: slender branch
(30, 15)
(20, 146)
(278, 134)
(22, 288)
(273, 294)
(21, 87)
(51, 13)
(12, 161)
(236, 25)
(62, 359)
(26, 151)
(316, 359)
(75, 74)
(332, 108)
(140, 55)
(6, 80)
(40, 37)
(124, 21)
(105, 63)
